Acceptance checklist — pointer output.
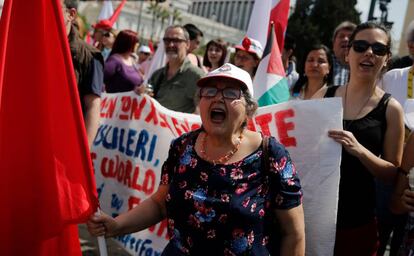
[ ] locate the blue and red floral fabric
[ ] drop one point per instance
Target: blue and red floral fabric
(221, 209)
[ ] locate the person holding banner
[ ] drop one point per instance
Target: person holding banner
(222, 186)
(403, 196)
(372, 140)
(318, 62)
(121, 71)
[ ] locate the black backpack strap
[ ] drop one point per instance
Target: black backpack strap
(265, 155)
(330, 92)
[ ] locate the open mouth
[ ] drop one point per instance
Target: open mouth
(217, 115)
(366, 64)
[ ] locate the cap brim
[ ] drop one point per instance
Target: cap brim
(240, 47)
(202, 82)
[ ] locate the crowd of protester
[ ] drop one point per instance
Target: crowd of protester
(377, 150)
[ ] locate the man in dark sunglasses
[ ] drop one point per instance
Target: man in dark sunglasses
(174, 86)
(340, 41)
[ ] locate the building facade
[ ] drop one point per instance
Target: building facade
(135, 16)
(409, 16)
(233, 13)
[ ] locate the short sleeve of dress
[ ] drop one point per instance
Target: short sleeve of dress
(167, 169)
(177, 148)
(283, 177)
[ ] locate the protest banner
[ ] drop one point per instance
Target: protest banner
(133, 141)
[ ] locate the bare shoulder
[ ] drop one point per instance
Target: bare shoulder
(192, 58)
(252, 139)
(394, 108)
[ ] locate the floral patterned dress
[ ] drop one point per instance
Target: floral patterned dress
(221, 209)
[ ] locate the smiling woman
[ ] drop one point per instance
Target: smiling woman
(372, 141)
(217, 193)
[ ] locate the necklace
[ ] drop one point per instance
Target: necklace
(410, 83)
(224, 158)
(346, 127)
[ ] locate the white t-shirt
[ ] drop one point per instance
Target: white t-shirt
(395, 83)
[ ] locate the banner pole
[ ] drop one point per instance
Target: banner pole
(101, 240)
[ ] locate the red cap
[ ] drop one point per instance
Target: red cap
(103, 24)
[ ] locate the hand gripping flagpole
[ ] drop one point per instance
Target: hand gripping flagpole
(101, 240)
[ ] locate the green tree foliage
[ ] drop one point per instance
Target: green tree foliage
(314, 21)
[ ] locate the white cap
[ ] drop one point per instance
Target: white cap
(251, 45)
(144, 49)
(231, 72)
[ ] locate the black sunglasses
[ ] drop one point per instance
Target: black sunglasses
(168, 40)
(107, 34)
(378, 49)
(228, 92)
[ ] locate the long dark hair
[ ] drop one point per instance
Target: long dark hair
(373, 25)
(219, 44)
(125, 41)
(303, 79)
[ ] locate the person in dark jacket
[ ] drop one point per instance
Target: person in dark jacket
(88, 66)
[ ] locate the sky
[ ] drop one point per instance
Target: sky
(396, 14)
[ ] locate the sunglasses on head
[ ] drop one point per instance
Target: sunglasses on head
(378, 49)
(228, 92)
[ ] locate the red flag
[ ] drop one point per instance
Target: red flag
(47, 183)
(279, 15)
(151, 46)
(264, 12)
(117, 11)
(108, 23)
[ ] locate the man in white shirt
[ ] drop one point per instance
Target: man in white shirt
(400, 82)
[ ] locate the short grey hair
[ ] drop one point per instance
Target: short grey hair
(71, 4)
(186, 35)
(345, 25)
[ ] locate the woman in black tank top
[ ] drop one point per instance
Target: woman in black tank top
(372, 139)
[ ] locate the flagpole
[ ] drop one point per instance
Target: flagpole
(101, 240)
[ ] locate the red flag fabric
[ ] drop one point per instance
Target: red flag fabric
(47, 182)
(117, 11)
(279, 15)
(264, 12)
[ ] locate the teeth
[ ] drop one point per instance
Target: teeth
(367, 64)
